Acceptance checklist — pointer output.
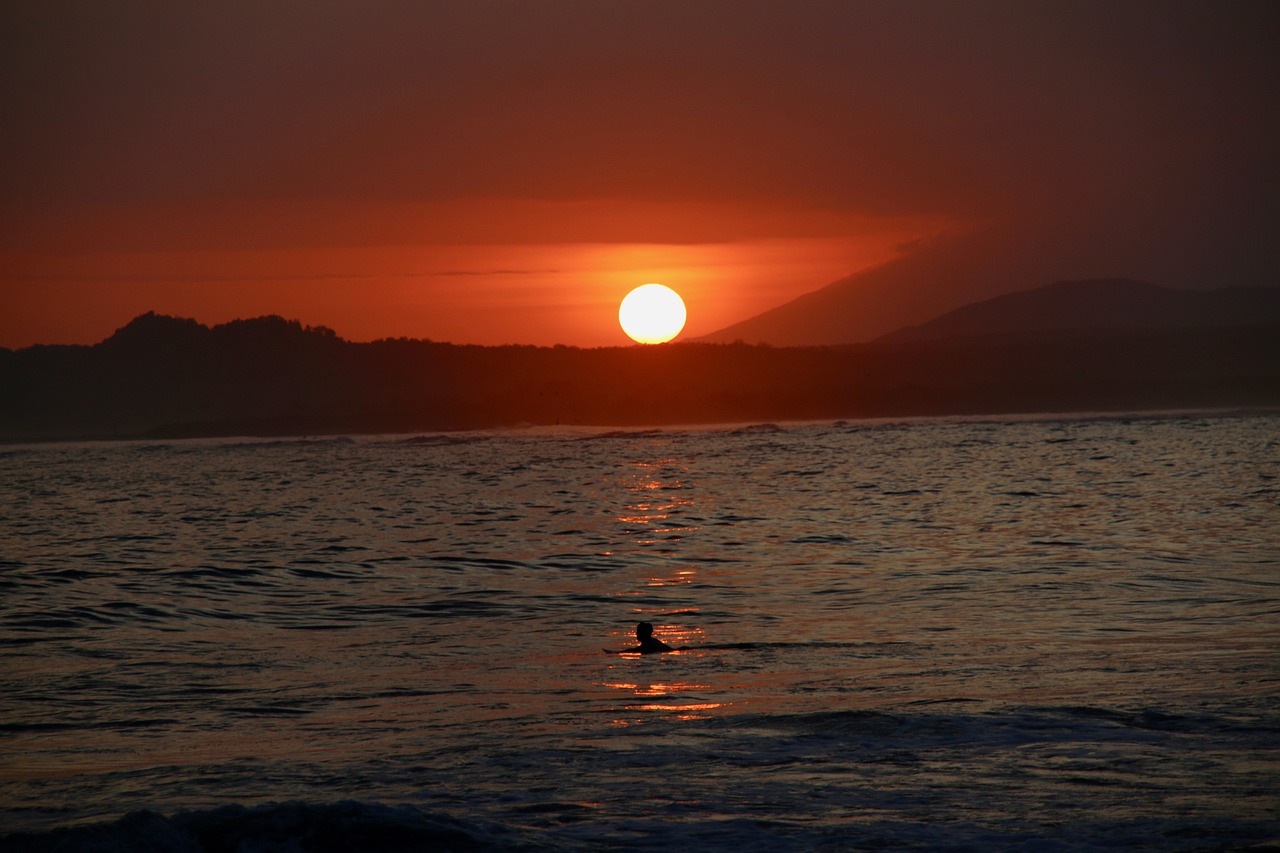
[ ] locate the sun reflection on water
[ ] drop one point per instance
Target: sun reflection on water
(660, 509)
(649, 513)
(680, 576)
(681, 706)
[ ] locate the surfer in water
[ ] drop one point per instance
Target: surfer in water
(648, 643)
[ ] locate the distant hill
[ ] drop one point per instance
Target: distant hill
(929, 280)
(948, 273)
(166, 377)
(1100, 304)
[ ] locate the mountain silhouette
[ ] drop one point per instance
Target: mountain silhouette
(166, 377)
(950, 272)
(1100, 304)
(944, 274)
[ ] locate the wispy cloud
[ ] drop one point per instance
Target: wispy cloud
(490, 272)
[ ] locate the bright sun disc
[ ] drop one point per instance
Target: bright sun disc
(652, 314)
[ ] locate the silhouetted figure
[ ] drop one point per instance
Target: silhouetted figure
(648, 642)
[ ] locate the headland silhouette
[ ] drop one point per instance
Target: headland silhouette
(167, 377)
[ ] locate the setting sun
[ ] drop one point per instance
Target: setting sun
(652, 314)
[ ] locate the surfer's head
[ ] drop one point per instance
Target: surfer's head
(644, 631)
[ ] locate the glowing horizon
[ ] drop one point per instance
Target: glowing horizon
(468, 294)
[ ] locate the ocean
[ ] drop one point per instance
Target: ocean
(965, 634)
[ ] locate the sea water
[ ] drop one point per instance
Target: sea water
(962, 635)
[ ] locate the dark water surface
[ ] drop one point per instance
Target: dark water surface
(933, 635)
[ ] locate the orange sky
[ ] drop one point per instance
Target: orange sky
(551, 287)
(494, 171)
